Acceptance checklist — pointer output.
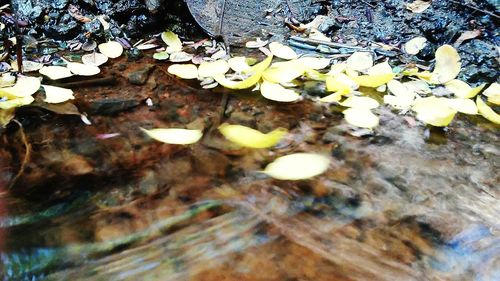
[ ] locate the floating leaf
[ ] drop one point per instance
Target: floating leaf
(111, 49)
(83, 69)
(55, 72)
(447, 65)
(360, 61)
(282, 51)
(361, 117)
(341, 83)
(314, 62)
(434, 111)
(57, 94)
(276, 92)
(466, 106)
(414, 46)
(462, 89)
(173, 42)
(209, 69)
(25, 86)
(298, 166)
(360, 102)
(174, 136)
(257, 69)
(184, 71)
(486, 111)
(180, 57)
(95, 59)
(17, 102)
(248, 137)
(161, 56)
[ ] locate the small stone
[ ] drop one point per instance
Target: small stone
(140, 76)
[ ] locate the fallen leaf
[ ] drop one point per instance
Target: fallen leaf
(282, 51)
(55, 72)
(25, 86)
(360, 61)
(418, 6)
(57, 94)
(209, 69)
(466, 106)
(6, 116)
(248, 137)
(434, 111)
(282, 73)
(341, 83)
(380, 69)
(180, 57)
(414, 46)
(161, 56)
(238, 64)
(276, 92)
(173, 42)
(257, 70)
(467, 35)
(111, 49)
(486, 111)
(28, 66)
(83, 69)
(462, 89)
(16, 102)
(174, 135)
(360, 102)
(298, 166)
(95, 59)
(184, 71)
(315, 63)
(335, 97)
(447, 65)
(493, 93)
(258, 43)
(373, 81)
(361, 117)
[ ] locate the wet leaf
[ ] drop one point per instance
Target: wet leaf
(337, 69)
(373, 81)
(360, 102)
(335, 97)
(466, 106)
(282, 51)
(315, 63)
(414, 46)
(6, 116)
(209, 69)
(25, 86)
(161, 56)
(57, 94)
(184, 71)
(239, 64)
(55, 72)
(462, 89)
(447, 65)
(174, 135)
(248, 137)
(7, 80)
(361, 117)
(298, 166)
(17, 102)
(111, 49)
(282, 73)
(360, 61)
(180, 57)
(341, 83)
(258, 43)
(95, 59)
(434, 111)
(486, 111)
(315, 75)
(173, 42)
(28, 66)
(83, 69)
(257, 69)
(276, 92)
(380, 69)
(493, 93)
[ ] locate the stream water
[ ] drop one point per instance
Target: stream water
(404, 203)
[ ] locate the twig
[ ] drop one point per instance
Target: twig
(471, 6)
(111, 80)
(27, 154)
(326, 43)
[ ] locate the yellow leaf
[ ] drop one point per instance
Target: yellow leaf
(57, 94)
(6, 116)
(486, 111)
(447, 65)
(466, 106)
(314, 62)
(361, 117)
(414, 46)
(56, 72)
(410, 71)
(285, 72)
(340, 83)
(282, 51)
(111, 49)
(462, 89)
(276, 92)
(209, 69)
(337, 69)
(373, 81)
(173, 42)
(248, 137)
(434, 111)
(250, 81)
(17, 102)
(493, 93)
(174, 135)
(360, 61)
(360, 102)
(298, 166)
(184, 71)
(494, 99)
(315, 75)
(25, 86)
(379, 69)
(83, 69)
(335, 97)
(238, 64)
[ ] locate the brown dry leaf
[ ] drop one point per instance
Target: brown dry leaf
(467, 35)
(418, 6)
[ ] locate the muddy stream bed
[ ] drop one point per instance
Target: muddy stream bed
(105, 202)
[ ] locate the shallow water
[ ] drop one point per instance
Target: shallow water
(402, 204)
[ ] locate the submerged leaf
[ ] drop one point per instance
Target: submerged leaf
(282, 51)
(57, 94)
(434, 111)
(111, 49)
(174, 135)
(298, 166)
(248, 137)
(486, 111)
(466, 106)
(361, 117)
(95, 59)
(276, 92)
(447, 65)
(209, 69)
(184, 71)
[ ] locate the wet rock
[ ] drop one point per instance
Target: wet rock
(140, 76)
(112, 106)
(63, 31)
(210, 162)
(242, 118)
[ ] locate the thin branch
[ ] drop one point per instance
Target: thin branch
(471, 6)
(27, 154)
